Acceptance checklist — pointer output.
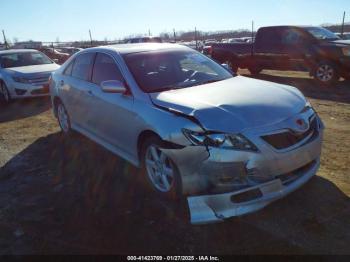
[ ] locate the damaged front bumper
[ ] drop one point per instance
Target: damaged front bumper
(215, 208)
(224, 183)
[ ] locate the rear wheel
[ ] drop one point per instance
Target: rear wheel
(5, 94)
(255, 70)
(63, 118)
(159, 171)
(326, 73)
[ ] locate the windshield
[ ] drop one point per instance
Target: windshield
(160, 71)
(23, 59)
(322, 34)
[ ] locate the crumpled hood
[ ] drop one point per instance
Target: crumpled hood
(34, 69)
(234, 104)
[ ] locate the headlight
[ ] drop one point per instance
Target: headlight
(346, 51)
(20, 80)
(229, 141)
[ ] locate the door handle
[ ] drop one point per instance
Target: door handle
(90, 93)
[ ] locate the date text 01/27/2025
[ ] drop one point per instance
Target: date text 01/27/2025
(173, 258)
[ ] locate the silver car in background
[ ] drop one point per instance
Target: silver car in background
(24, 73)
(231, 144)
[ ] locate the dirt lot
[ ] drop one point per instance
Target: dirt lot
(72, 196)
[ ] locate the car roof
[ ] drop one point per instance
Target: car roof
(145, 37)
(292, 26)
(141, 47)
(11, 51)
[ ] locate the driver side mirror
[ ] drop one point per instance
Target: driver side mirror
(113, 86)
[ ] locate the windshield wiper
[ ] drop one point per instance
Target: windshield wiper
(211, 81)
(184, 85)
(208, 82)
(164, 88)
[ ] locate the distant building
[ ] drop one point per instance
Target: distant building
(27, 45)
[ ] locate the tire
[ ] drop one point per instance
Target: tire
(255, 70)
(4, 93)
(159, 175)
(326, 73)
(63, 118)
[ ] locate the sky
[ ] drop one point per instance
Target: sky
(68, 20)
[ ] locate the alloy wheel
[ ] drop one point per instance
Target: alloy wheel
(5, 93)
(325, 73)
(159, 169)
(63, 118)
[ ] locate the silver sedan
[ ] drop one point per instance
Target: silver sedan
(231, 144)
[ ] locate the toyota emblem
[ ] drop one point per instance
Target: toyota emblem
(302, 125)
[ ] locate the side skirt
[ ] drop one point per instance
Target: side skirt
(133, 160)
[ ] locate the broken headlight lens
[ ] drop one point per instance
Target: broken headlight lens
(237, 141)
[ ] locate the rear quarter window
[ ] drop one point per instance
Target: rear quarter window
(69, 68)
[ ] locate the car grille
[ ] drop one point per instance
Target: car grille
(39, 80)
(287, 139)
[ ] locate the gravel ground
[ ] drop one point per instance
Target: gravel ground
(70, 196)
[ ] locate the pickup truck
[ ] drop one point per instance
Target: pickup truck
(301, 48)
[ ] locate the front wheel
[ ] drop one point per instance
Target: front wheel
(161, 173)
(326, 73)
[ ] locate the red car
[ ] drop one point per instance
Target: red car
(55, 55)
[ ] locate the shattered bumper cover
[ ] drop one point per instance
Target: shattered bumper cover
(215, 208)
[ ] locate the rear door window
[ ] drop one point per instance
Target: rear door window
(105, 69)
(291, 37)
(83, 66)
(269, 40)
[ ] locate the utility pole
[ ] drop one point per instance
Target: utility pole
(342, 26)
(174, 35)
(252, 37)
(195, 37)
(5, 41)
(90, 37)
(149, 32)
